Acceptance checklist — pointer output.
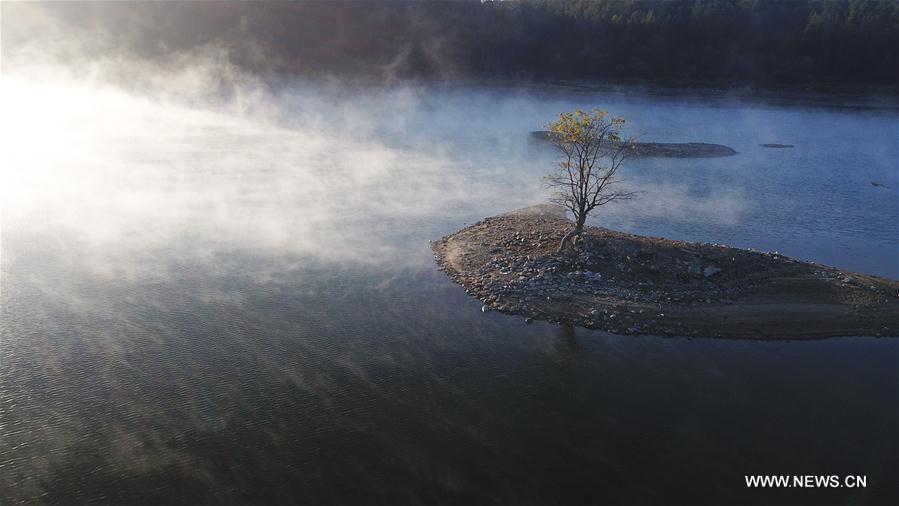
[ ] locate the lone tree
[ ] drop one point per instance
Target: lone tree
(592, 151)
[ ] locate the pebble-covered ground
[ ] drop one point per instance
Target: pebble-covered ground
(632, 284)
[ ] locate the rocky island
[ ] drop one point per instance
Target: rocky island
(664, 149)
(630, 284)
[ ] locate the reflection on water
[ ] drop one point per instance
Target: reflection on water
(204, 307)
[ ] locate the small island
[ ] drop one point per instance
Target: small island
(537, 263)
(630, 284)
(661, 149)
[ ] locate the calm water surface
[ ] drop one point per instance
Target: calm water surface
(206, 307)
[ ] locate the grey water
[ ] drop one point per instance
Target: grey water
(238, 305)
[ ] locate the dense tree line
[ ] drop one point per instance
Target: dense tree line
(767, 42)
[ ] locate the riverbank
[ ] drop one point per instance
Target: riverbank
(630, 284)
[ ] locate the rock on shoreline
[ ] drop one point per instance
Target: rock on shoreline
(630, 284)
(665, 149)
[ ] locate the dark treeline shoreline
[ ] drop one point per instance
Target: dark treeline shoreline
(765, 43)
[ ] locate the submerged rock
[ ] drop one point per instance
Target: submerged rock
(664, 149)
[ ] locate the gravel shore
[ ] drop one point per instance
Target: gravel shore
(630, 284)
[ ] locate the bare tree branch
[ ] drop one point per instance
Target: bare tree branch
(592, 152)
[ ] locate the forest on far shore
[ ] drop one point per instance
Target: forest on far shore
(758, 42)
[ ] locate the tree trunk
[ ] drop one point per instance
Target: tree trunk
(566, 239)
(578, 231)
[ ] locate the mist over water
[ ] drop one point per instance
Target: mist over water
(311, 168)
(225, 291)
